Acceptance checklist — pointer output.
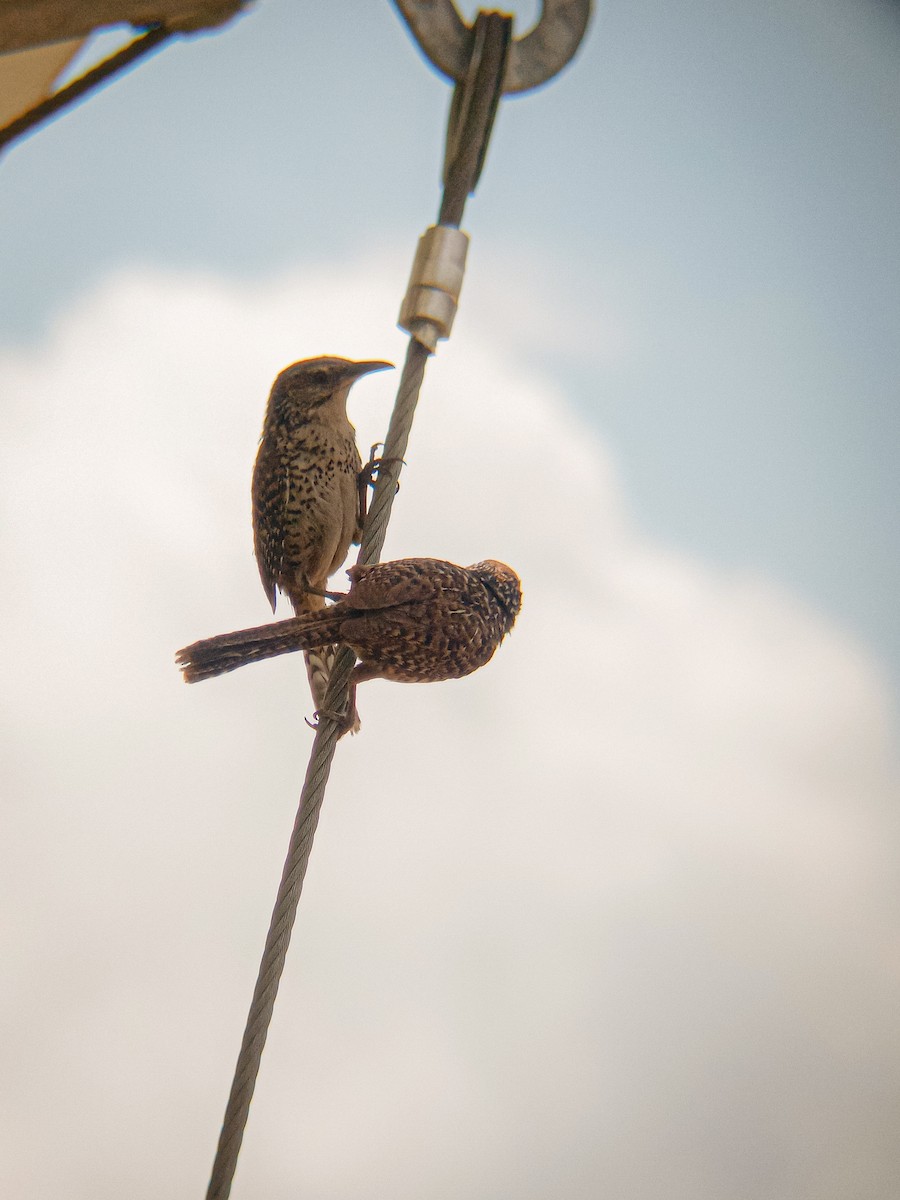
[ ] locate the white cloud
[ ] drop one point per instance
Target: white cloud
(615, 915)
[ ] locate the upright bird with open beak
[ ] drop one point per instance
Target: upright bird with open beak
(308, 491)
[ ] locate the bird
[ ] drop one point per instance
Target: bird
(413, 620)
(308, 489)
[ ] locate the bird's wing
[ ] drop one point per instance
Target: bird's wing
(405, 581)
(270, 495)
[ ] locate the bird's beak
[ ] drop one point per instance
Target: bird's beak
(354, 370)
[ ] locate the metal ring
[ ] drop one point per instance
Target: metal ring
(444, 39)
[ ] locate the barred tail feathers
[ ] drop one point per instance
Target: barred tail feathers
(319, 665)
(228, 651)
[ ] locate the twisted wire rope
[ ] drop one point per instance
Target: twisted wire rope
(311, 797)
(472, 116)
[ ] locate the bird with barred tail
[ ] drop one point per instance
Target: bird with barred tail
(308, 488)
(415, 620)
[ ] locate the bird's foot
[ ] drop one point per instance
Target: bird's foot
(314, 591)
(365, 480)
(369, 472)
(347, 722)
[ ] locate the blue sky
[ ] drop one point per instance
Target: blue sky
(718, 180)
(616, 915)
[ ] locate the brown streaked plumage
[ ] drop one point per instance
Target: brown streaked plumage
(306, 508)
(307, 493)
(416, 620)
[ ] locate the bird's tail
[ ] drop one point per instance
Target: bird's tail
(319, 665)
(228, 651)
(320, 662)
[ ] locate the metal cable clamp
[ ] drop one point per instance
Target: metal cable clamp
(542, 53)
(432, 294)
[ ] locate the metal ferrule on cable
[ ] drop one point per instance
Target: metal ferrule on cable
(435, 281)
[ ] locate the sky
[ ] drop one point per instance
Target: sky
(621, 911)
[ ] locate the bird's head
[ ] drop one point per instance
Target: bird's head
(504, 585)
(314, 382)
